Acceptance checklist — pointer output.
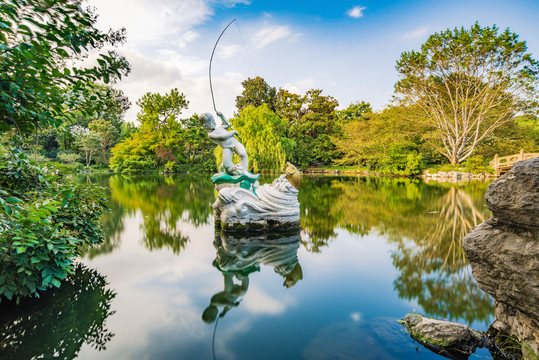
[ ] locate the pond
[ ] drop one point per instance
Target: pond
(166, 285)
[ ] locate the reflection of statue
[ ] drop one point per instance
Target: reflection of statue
(239, 257)
(227, 298)
(230, 145)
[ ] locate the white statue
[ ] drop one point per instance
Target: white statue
(226, 140)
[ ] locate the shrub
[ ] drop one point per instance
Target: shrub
(45, 223)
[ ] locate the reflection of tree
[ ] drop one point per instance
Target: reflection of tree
(57, 324)
(163, 203)
(433, 266)
(113, 226)
(427, 223)
(319, 215)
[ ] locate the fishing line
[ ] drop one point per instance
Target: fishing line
(246, 50)
(213, 338)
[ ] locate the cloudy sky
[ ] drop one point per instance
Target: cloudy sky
(346, 48)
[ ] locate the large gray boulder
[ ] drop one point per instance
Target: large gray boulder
(514, 197)
(504, 252)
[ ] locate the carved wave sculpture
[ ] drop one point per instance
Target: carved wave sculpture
(268, 207)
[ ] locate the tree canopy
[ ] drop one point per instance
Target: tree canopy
(468, 82)
(42, 80)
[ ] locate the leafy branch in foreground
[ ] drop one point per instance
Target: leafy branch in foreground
(45, 223)
(43, 78)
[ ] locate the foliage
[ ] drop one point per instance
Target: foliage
(263, 135)
(69, 157)
(157, 199)
(134, 154)
(508, 139)
(255, 93)
(87, 141)
(354, 112)
(314, 129)
(468, 83)
(164, 141)
(389, 141)
(41, 79)
(61, 321)
(45, 222)
(107, 136)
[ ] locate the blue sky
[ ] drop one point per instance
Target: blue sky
(346, 48)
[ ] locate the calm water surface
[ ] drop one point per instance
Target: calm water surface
(165, 285)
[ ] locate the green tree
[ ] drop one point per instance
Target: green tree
(160, 112)
(41, 81)
(354, 112)
(288, 106)
(313, 130)
(87, 142)
(389, 141)
(468, 82)
(263, 135)
(255, 93)
(107, 135)
(163, 141)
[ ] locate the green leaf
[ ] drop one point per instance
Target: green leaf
(20, 249)
(55, 282)
(13, 200)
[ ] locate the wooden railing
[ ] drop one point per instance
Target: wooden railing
(502, 164)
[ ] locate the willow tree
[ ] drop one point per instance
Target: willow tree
(468, 82)
(262, 133)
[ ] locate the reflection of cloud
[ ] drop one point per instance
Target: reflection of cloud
(355, 316)
(259, 302)
(356, 12)
(416, 34)
(270, 34)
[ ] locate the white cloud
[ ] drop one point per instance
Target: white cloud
(149, 22)
(356, 12)
(233, 3)
(301, 86)
(187, 37)
(270, 34)
(416, 34)
(228, 51)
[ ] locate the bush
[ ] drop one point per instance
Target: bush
(69, 158)
(45, 223)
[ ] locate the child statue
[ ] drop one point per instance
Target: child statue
(230, 145)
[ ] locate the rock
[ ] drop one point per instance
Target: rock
(505, 264)
(503, 253)
(514, 197)
(441, 335)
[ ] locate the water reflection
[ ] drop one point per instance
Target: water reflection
(238, 256)
(164, 202)
(425, 222)
(60, 321)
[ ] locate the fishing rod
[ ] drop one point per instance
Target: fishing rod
(211, 86)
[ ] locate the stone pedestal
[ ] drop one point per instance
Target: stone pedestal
(272, 207)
